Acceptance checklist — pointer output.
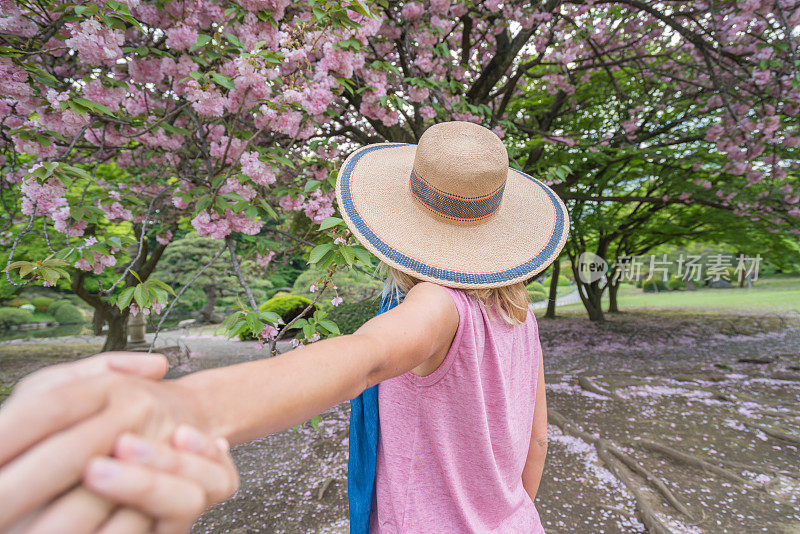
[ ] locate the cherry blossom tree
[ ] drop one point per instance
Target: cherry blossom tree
(230, 118)
(202, 106)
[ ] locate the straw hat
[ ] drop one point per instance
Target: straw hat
(450, 210)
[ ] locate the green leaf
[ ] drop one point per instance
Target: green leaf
(125, 298)
(271, 317)
(162, 285)
(222, 80)
(348, 253)
(362, 254)
(233, 39)
(202, 40)
(330, 222)
(311, 185)
(330, 326)
(308, 331)
(318, 252)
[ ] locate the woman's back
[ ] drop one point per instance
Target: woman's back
(453, 444)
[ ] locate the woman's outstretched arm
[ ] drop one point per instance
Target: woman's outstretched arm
(249, 400)
(50, 437)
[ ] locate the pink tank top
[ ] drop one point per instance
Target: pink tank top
(453, 444)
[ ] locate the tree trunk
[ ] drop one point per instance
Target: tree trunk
(551, 299)
(207, 313)
(591, 295)
(98, 321)
(594, 301)
(117, 337)
(613, 288)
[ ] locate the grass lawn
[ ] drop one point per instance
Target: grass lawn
(768, 295)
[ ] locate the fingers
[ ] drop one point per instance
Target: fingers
(32, 418)
(160, 495)
(131, 363)
(127, 521)
(82, 510)
(53, 466)
(139, 364)
(208, 466)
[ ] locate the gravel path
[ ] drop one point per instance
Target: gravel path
(705, 385)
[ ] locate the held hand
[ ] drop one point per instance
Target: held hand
(172, 484)
(61, 417)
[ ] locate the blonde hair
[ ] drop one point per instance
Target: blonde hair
(510, 302)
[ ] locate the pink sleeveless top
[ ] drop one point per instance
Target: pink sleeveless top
(453, 444)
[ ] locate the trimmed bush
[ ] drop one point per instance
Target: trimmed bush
(56, 305)
(563, 280)
(286, 305)
(17, 302)
(351, 315)
(69, 314)
(42, 303)
(354, 286)
(676, 283)
(10, 316)
(537, 296)
(536, 286)
(652, 284)
(28, 307)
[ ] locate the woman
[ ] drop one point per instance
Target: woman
(453, 438)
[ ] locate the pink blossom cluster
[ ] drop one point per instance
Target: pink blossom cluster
(212, 224)
(99, 263)
(259, 171)
(46, 198)
(94, 42)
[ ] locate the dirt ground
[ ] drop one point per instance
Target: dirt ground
(659, 422)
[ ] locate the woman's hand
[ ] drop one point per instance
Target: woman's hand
(61, 417)
(172, 484)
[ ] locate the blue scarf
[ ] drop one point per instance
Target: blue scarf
(364, 448)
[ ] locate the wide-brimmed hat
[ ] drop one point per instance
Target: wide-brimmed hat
(449, 210)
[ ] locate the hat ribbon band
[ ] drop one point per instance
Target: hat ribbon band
(453, 206)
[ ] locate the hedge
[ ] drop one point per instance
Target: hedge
(10, 316)
(69, 314)
(42, 303)
(536, 286)
(676, 283)
(651, 284)
(351, 315)
(536, 295)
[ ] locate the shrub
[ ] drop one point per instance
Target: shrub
(563, 280)
(536, 286)
(353, 286)
(351, 315)
(286, 305)
(9, 316)
(676, 283)
(28, 307)
(42, 303)
(17, 302)
(536, 295)
(51, 309)
(651, 285)
(69, 314)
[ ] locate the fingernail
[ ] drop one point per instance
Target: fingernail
(102, 471)
(223, 444)
(190, 439)
(135, 448)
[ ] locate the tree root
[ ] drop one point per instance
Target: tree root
(691, 460)
(619, 463)
(647, 513)
(593, 387)
(323, 488)
(776, 433)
